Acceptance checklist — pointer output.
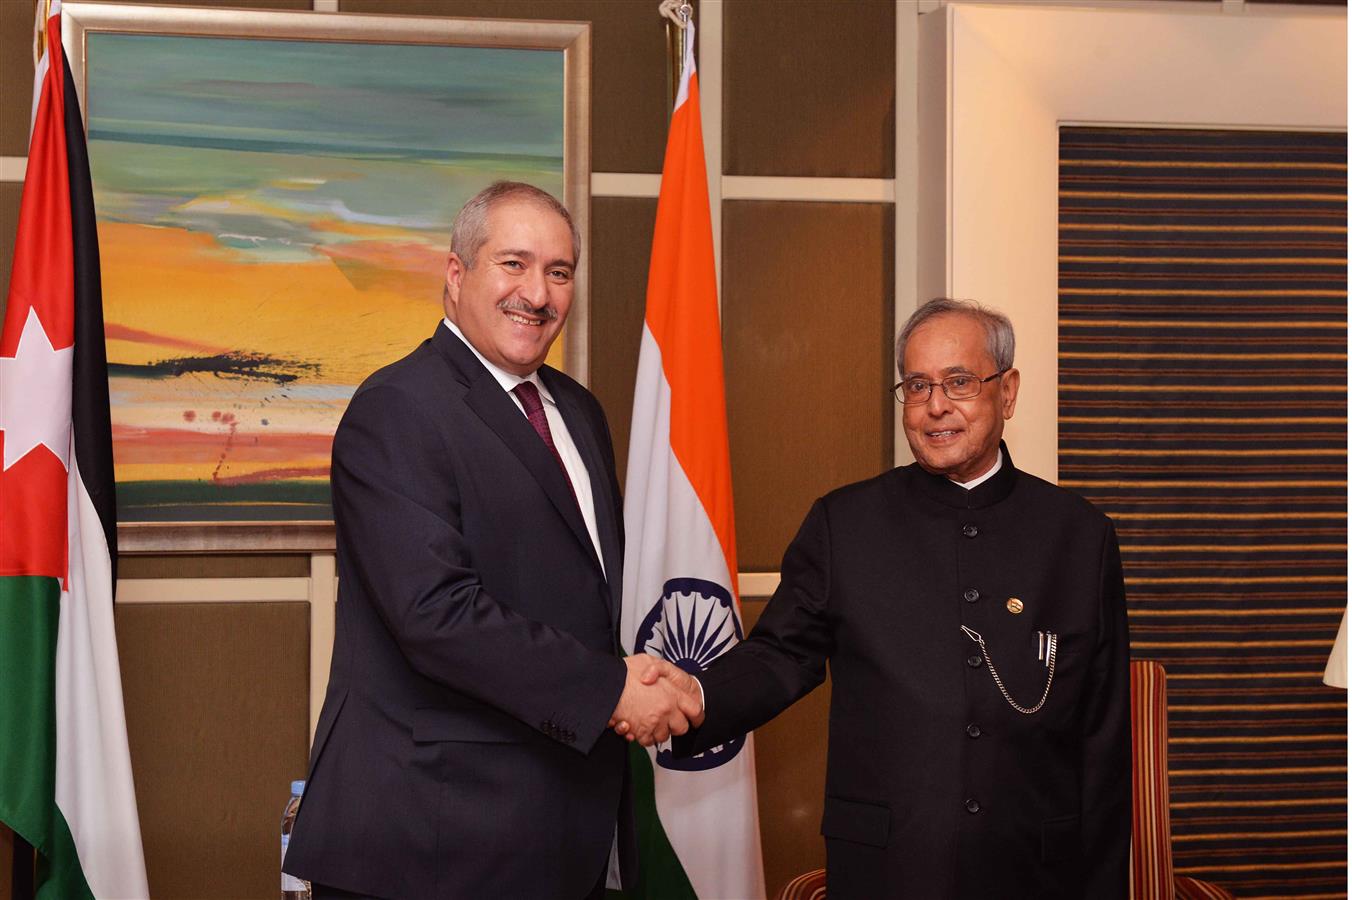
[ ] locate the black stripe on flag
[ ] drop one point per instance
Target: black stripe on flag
(91, 419)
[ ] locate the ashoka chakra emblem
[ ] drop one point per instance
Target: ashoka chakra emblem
(694, 622)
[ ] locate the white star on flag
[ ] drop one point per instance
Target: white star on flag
(35, 395)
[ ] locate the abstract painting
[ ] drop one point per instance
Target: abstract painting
(273, 225)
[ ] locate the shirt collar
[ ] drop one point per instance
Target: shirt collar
(507, 379)
(999, 458)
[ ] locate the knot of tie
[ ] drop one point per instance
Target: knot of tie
(529, 395)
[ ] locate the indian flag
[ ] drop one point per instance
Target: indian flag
(699, 832)
(65, 773)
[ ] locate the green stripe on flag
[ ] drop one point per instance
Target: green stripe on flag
(30, 608)
(59, 874)
(660, 875)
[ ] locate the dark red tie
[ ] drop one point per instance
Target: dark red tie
(529, 396)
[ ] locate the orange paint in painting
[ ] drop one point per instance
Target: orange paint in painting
(403, 266)
(183, 284)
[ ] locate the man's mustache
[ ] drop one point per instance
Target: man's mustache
(517, 305)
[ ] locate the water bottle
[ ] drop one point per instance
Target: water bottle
(292, 888)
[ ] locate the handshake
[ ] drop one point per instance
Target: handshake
(658, 700)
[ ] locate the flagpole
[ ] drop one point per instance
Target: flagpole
(677, 13)
(42, 10)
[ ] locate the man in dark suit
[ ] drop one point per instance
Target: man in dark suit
(462, 750)
(975, 623)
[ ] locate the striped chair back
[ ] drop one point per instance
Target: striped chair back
(1152, 859)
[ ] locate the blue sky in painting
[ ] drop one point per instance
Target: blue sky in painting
(326, 98)
(261, 142)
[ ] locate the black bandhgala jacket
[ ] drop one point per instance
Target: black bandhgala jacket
(935, 786)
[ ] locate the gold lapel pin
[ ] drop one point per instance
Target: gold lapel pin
(1014, 605)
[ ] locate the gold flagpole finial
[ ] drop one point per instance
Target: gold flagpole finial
(42, 10)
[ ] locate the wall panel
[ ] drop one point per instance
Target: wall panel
(239, 565)
(242, 4)
(622, 235)
(807, 338)
(16, 70)
(10, 194)
(217, 720)
(6, 863)
(809, 88)
(791, 780)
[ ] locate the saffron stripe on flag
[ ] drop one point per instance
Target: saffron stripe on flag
(680, 592)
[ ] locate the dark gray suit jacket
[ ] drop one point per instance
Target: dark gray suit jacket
(462, 749)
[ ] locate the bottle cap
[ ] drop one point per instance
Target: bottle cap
(297, 788)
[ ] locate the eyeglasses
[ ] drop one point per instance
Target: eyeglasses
(914, 391)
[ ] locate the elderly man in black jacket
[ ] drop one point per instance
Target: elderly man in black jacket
(975, 623)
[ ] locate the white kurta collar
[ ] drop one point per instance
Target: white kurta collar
(999, 460)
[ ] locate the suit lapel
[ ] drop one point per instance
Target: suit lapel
(491, 403)
(603, 495)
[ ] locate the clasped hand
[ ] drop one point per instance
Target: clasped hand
(658, 700)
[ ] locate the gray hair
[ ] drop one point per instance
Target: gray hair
(999, 330)
(469, 231)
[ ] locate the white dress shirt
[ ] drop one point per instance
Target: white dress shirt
(558, 429)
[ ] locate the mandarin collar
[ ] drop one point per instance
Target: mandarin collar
(991, 491)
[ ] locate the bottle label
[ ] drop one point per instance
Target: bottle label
(290, 882)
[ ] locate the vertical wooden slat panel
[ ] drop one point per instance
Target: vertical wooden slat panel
(807, 337)
(809, 88)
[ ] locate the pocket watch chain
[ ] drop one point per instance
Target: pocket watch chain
(1051, 671)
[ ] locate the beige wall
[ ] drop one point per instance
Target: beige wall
(1007, 77)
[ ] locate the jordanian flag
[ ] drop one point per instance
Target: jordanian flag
(699, 832)
(65, 774)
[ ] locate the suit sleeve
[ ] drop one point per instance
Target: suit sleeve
(1106, 813)
(784, 657)
(397, 506)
